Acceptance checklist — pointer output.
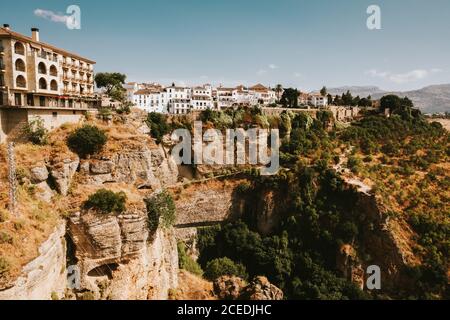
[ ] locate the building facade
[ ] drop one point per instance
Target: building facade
(38, 76)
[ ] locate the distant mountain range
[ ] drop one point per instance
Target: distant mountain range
(431, 99)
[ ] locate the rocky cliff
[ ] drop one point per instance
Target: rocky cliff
(119, 259)
(44, 277)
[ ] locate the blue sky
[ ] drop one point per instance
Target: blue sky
(298, 43)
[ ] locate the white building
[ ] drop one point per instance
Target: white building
(241, 95)
(317, 100)
(263, 95)
(178, 99)
(224, 97)
(201, 98)
(151, 100)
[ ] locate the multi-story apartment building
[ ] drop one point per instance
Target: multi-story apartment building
(178, 99)
(151, 100)
(317, 100)
(263, 95)
(242, 96)
(201, 98)
(224, 97)
(41, 80)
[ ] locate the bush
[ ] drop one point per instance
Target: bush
(224, 266)
(5, 238)
(186, 262)
(107, 201)
(158, 126)
(35, 132)
(4, 266)
(87, 140)
(160, 209)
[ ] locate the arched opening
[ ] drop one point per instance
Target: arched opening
(42, 84)
(104, 270)
(53, 71)
(20, 65)
(54, 85)
(42, 69)
(21, 82)
(19, 48)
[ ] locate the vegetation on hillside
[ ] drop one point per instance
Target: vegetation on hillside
(87, 140)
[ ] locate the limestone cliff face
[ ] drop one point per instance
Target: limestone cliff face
(119, 259)
(208, 203)
(150, 168)
(386, 240)
(44, 276)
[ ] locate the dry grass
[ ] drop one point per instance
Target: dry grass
(192, 287)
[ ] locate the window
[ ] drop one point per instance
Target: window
(18, 99)
(42, 84)
(53, 85)
(55, 114)
(42, 69)
(20, 65)
(53, 71)
(21, 82)
(30, 100)
(19, 48)
(42, 101)
(2, 80)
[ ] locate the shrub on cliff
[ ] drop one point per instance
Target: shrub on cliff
(186, 262)
(160, 210)
(107, 201)
(87, 140)
(35, 132)
(158, 126)
(224, 267)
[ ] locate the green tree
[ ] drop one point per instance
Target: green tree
(289, 99)
(111, 82)
(106, 201)
(224, 267)
(160, 210)
(35, 132)
(278, 91)
(323, 91)
(87, 140)
(158, 125)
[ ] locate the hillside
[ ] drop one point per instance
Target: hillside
(431, 99)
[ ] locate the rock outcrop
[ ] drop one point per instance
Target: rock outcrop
(229, 287)
(261, 289)
(144, 168)
(45, 276)
(63, 172)
(234, 288)
(119, 259)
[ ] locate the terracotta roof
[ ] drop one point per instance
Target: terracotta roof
(146, 92)
(259, 87)
(9, 33)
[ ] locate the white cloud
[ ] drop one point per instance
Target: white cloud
(273, 66)
(400, 78)
(297, 75)
(51, 16)
(261, 72)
